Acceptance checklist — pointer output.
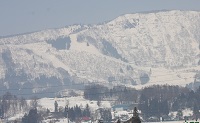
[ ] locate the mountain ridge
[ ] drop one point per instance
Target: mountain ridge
(140, 12)
(123, 51)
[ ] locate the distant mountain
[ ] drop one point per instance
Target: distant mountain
(126, 50)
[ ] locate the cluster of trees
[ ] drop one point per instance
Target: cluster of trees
(75, 113)
(190, 99)
(159, 100)
(121, 94)
(156, 100)
(11, 104)
(154, 107)
(32, 117)
(95, 92)
(105, 115)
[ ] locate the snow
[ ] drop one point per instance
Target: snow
(61, 120)
(168, 122)
(17, 116)
(82, 46)
(45, 103)
(39, 36)
(167, 42)
(165, 45)
(120, 113)
(42, 51)
(71, 101)
(187, 112)
(80, 101)
(164, 76)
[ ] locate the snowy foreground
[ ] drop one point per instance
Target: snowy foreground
(65, 121)
(72, 101)
(168, 122)
(48, 103)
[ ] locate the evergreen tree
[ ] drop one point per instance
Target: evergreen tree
(99, 103)
(72, 115)
(48, 111)
(106, 115)
(56, 106)
(143, 105)
(66, 110)
(34, 102)
(195, 111)
(163, 109)
(154, 107)
(77, 111)
(136, 118)
(175, 106)
(1, 113)
(25, 119)
(88, 44)
(32, 117)
(86, 112)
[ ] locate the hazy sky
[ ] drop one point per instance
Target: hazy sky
(20, 16)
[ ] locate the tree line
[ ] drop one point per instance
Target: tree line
(155, 100)
(120, 94)
(76, 113)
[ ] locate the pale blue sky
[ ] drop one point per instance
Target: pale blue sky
(20, 16)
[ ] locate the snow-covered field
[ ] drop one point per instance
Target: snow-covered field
(66, 121)
(71, 102)
(164, 76)
(45, 103)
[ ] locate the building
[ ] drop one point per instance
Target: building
(86, 120)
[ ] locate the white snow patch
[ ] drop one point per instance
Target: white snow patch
(82, 46)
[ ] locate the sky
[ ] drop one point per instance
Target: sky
(22, 16)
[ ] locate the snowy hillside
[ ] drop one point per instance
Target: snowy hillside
(127, 50)
(163, 38)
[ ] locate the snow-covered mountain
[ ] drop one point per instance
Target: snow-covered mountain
(127, 50)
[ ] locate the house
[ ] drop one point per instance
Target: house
(86, 120)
